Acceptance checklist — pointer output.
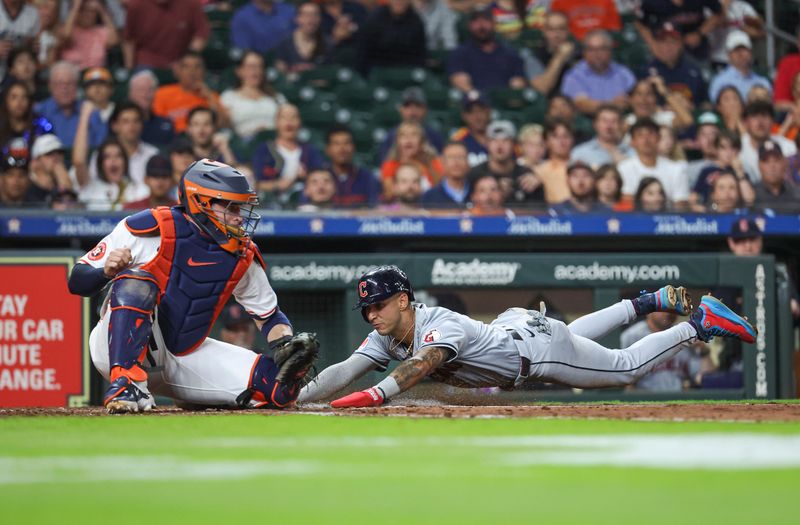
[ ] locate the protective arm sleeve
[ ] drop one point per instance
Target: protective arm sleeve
(336, 377)
(86, 280)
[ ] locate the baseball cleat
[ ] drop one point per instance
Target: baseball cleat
(713, 318)
(665, 299)
(124, 396)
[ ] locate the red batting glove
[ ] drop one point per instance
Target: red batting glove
(371, 397)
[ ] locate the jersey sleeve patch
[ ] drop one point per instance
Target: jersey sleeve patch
(98, 252)
(142, 223)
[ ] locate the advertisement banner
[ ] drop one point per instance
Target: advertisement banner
(43, 331)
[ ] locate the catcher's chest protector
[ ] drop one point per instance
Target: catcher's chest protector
(196, 278)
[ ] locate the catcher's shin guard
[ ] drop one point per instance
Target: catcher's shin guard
(264, 391)
(133, 298)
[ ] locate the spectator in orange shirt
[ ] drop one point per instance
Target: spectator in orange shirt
(412, 146)
(174, 101)
(587, 15)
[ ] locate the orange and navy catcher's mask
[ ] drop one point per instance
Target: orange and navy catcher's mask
(207, 182)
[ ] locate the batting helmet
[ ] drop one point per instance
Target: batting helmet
(380, 284)
(207, 182)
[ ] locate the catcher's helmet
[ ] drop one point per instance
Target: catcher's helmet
(380, 284)
(206, 182)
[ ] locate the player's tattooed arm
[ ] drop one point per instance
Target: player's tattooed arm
(412, 371)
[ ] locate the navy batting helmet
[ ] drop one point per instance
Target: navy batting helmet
(380, 284)
(208, 181)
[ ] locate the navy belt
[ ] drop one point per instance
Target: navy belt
(524, 362)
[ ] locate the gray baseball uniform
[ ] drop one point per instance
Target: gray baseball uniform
(518, 344)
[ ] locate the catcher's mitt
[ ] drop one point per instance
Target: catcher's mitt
(295, 356)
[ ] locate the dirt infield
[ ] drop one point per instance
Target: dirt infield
(647, 411)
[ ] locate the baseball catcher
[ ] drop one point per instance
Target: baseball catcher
(519, 344)
(171, 271)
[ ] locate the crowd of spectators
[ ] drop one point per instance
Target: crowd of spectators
(105, 102)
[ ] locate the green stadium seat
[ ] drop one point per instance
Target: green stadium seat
(217, 52)
(513, 99)
(397, 78)
(164, 76)
(319, 114)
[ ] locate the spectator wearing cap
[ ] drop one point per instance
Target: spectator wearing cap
(706, 134)
(745, 238)
(319, 191)
(694, 20)
(413, 108)
(15, 180)
(98, 86)
(158, 177)
(647, 163)
(63, 107)
(411, 146)
(739, 72)
(774, 191)
(546, 64)
(607, 146)
(586, 16)
(19, 24)
(597, 79)
(503, 165)
(87, 34)
(48, 171)
(727, 146)
(453, 189)
(678, 73)
(261, 25)
(440, 24)
(156, 130)
(174, 101)
(393, 36)
(736, 15)
(238, 327)
(159, 32)
(476, 114)
(483, 63)
(581, 180)
(356, 186)
(558, 139)
(758, 121)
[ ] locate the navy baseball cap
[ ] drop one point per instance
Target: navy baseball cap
(234, 315)
(158, 166)
(769, 147)
(472, 98)
(745, 229)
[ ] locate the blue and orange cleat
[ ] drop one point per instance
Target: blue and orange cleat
(125, 396)
(713, 318)
(665, 299)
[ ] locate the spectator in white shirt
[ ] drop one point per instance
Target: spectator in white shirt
(646, 162)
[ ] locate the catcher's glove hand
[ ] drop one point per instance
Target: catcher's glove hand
(295, 356)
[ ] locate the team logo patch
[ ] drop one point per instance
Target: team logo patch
(98, 252)
(432, 336)
(363, 343)
(362, 289)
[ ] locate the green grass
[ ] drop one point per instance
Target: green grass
(302, 469)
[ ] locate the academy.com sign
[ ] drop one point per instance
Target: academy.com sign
(474, 272)
(317, 272)
(616, 272)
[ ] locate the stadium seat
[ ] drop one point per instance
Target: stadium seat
(510, 98)
(319, 114)
(397, 78)
(325, 77)
(164, 76)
